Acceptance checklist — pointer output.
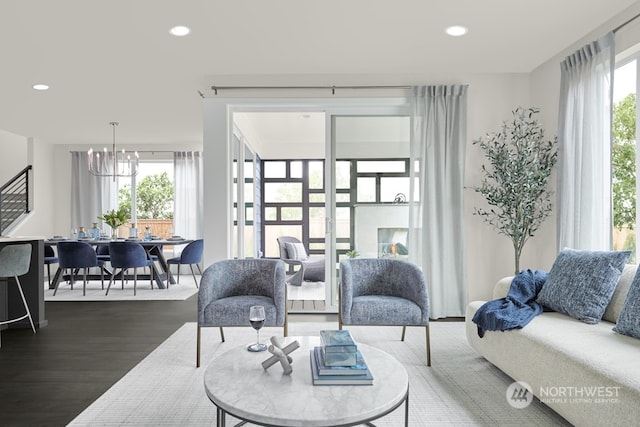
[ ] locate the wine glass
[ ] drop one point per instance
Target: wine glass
(256, 318)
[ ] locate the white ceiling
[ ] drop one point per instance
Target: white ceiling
(115, 60)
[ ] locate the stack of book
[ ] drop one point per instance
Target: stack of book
(338, 361)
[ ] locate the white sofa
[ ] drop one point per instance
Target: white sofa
(588, 374)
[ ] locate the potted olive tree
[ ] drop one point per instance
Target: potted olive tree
(515, 181)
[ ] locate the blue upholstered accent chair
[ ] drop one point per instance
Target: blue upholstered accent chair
(294, 254)
(125, 255)
(15, 261)
(192, 255)
(383, 292)
(229, 288)
(74, 256)
(49, 258)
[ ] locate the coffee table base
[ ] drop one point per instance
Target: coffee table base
(222, 422)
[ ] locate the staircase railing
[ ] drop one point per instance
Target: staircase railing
(14, 198)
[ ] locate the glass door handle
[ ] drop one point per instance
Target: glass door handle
(328, 225)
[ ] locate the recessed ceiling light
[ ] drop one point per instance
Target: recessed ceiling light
(180, 30)
(40, 86)
(456, 30)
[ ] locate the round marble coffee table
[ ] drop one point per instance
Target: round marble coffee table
(238, 385)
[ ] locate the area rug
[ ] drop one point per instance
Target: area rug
(459, 389)
(179, 292)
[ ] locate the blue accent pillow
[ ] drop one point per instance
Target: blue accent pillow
(629, 320)
(581, 283)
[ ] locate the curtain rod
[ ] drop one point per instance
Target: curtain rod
(624, 24)
(145, 151)
(332, 88)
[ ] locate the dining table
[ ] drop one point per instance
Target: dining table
(154, 249)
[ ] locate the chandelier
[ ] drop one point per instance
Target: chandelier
(112, 164)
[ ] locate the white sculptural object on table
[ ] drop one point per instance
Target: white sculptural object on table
(280, 353)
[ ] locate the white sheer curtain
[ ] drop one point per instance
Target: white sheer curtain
(437, 223)
(188, 205)
(91, 196)
(584, 147)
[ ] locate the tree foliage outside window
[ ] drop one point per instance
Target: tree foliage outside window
(623, 161)
(515, 181)
(154, 194)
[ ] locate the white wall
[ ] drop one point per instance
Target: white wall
(17, 153)
(45, 202)
(14, 158)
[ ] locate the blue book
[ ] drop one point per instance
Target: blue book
(323, 369)
(364, 379)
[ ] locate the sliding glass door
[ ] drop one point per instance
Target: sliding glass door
(369, 171)
(310, 185)
(246, 201)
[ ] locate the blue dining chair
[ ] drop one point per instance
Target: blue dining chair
(125, 255)
(191, 255)
(74, 256)
(49, 258)
(103, 252)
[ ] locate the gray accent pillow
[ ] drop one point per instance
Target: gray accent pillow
(629, 320)
(296, 251)
(581, 283)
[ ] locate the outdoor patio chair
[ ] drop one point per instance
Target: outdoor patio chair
(294, 254)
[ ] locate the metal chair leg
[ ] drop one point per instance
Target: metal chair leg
(111, 280)
(198, 348)
(55, 289)
(404, 330)
(26, 306)
(49, 274)
(428, 345)
(221, 334)
(286, 322)
(193, 274)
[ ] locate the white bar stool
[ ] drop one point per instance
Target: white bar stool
(15, 261)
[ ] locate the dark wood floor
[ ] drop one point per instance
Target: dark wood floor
(48, 378)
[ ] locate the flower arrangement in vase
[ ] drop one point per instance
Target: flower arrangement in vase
(114, 219)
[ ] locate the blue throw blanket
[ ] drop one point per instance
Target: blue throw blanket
(517, 309)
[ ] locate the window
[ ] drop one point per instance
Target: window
(154, 197)
(624, 158)
(294, 198)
